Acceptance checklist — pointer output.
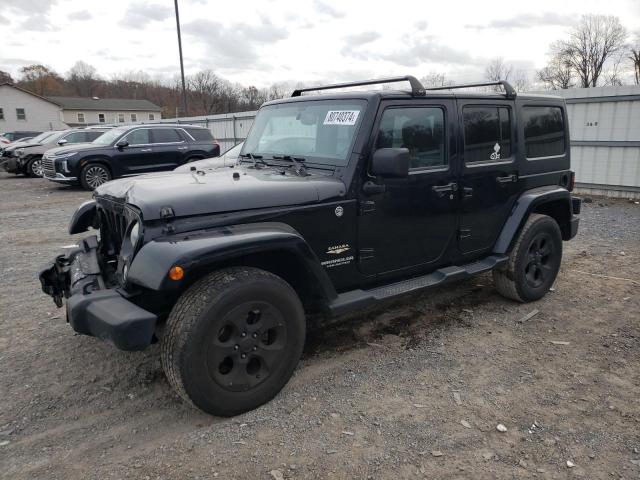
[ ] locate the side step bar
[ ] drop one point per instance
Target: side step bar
(356, 299)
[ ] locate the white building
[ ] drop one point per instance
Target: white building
(23, 110)
(81, 111)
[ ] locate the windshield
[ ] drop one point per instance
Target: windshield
(110, 136)
(320, 131)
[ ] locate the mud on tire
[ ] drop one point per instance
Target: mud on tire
(533, 262)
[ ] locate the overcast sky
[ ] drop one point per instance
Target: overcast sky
(267, 41)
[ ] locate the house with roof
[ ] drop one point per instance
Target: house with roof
(81, 111)
(21, 109)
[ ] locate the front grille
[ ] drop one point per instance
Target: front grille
(115, 219)
(48, 167)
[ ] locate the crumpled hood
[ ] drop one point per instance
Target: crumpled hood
(218, 191)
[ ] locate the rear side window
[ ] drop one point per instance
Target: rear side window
(543, 131)
(487, 134)
(75, 137)
(200, 134)
(166, 135)
(419, 129)
(138, 137)
(91, 136)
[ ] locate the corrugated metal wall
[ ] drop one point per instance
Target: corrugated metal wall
(605, 136)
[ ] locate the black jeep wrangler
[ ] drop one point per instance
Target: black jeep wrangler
(338, 202)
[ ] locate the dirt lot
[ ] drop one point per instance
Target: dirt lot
(384, 395)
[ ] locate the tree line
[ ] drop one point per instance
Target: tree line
(596, 51)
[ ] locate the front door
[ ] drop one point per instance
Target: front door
(489, 180)
(412, 223)
(169, 148)
(135, 157)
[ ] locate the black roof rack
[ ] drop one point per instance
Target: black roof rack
(509, 91)
(416, 87)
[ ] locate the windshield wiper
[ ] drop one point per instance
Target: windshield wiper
(256, 159)
(297, 166)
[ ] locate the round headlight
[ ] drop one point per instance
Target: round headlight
(134, 235)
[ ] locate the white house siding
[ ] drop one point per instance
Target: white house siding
(41, 115)
(91, 116)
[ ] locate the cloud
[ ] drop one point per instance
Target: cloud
(4, 20)
(362, 38)
(139, 15)
(29, 6)
(529, 20)
(234, 44)
(326, 9)
(80, 15)
(38, 22)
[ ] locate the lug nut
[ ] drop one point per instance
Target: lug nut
(243, 356)
(243, 334)
(255, 335)
(235, 347)
(255, 348)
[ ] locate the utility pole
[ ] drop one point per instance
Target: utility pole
(184, 88)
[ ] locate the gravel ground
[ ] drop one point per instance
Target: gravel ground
(412, 390)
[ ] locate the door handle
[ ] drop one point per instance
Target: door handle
(442, 189)
(145, 150)
(467, 192)
(182, 148)
(508, 179)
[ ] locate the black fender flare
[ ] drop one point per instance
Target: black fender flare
(203, 250)
(524, 206)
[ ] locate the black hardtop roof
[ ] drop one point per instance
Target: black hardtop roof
(161, 125)
(417, 91)
(404, 94)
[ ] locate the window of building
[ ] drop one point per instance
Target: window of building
(80, 117)
(138, 137)
(152, 117)
(101, 118)
(21, 114)
(543, 131)
(134, 117)
(487, 134)
(166, 135)
(121, 118)
(420, 129)
(1, 114)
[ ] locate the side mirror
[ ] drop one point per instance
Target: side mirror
(62, 141)
(122, 144)
(391, 162)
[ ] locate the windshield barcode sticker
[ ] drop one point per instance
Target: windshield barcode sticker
(341, 117)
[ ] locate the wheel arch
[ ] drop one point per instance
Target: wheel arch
(95, 159)
(274, 247)
(552, 201)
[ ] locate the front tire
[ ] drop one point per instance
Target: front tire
(534, 261)
(233, 340)
(93, 175)
(34, 168)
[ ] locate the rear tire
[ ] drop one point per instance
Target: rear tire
(233, 340)
(34, 168)
(533, 262)
(93, 175)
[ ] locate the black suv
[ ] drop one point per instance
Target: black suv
(130, 150)
(339, 202)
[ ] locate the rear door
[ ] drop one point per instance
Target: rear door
(489, 177)
(411, 224)
(169, 147)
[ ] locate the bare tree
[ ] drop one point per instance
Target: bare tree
(83, 79)
(520, 80)
(591, 43)
(635, 58)
(497, 70)
(205, 86)
(557, 75)
(40, 80)
(434, 79)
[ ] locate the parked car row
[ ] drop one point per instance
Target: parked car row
(92, 156)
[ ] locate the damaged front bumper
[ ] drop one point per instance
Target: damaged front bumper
(93, 308)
